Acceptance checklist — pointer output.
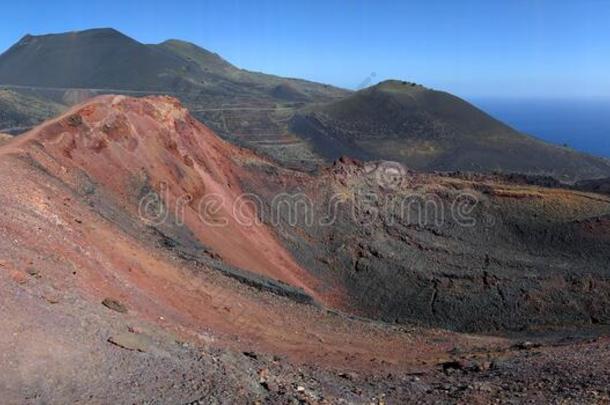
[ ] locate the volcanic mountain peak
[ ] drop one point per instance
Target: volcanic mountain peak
(433, 130)
(98, 58)
(137, 150)
(95, 33)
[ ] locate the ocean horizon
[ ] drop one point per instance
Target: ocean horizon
(581, 124)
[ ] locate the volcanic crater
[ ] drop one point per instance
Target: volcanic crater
(123, 263)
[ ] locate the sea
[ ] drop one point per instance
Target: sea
(583, 125)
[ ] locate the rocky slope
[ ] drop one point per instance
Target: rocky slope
(140, 261)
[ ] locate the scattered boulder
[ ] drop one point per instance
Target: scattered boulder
(460, 364)
(74, 120)
(526, 345)
(252, 355)
(349, 376)
(33, 272)
(51, 297)
(114, 305)
(481, 366)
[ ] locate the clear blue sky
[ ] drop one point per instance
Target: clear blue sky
(535, 48)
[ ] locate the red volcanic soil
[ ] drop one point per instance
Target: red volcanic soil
(98, 306)
(124, 143)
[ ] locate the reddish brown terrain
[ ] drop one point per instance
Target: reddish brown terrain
(128, 275)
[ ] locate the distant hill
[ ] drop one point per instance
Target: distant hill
(433, 130)
(106, 59)
(98, 58)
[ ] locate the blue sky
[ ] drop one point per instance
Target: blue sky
(503, 48)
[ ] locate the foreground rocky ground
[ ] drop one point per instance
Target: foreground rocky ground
(61, 347)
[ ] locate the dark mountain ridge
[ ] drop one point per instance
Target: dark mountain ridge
(105, 58)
